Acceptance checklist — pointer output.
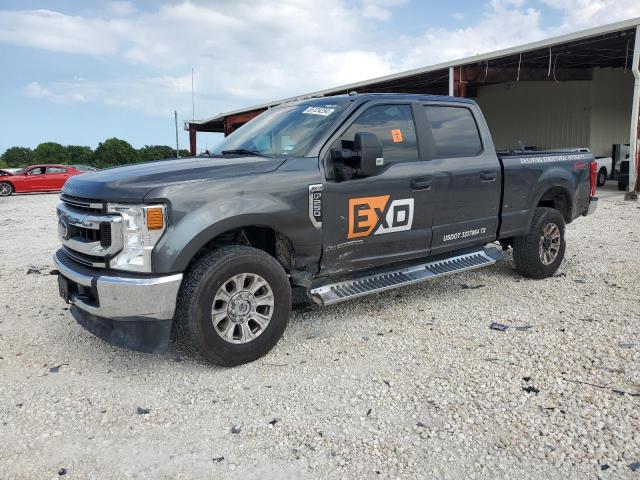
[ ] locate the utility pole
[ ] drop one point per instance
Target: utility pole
(175, 116)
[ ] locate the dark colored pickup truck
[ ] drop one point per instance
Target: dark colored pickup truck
(319, 200)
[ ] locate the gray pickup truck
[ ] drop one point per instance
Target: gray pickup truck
(320, 200)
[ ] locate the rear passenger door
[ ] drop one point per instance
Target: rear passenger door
(466, 177)
(56, 176)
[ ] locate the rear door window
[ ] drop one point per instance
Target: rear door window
(454, 132)
(394, 127)
(56, 170)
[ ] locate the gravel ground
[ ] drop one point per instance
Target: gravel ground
(407, 384)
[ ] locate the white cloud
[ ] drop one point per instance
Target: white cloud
(35, 90)
(379, 9)
(501, 26)
(58, 32)
(579, 14)
(252, 51)
(121, 9)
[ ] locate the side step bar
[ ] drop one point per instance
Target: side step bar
(387, 280)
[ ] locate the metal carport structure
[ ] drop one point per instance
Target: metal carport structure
(575, 90)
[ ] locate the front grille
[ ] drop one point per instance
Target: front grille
(83, 204)
(68, 261)
(90, 235)
(84, 259)
(105, 234)
(86, 234)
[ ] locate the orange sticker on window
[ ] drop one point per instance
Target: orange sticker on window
(396, 135)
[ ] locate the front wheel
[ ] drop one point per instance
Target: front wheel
(233, 306)
(539, 253)
(602, 177)
(6, 189)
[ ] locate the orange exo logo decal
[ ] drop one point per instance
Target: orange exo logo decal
(377, 215)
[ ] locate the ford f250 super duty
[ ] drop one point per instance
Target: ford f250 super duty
(325, 199)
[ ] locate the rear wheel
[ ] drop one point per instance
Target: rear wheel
(602, 177)
(539, 253)
(622, 186)
(6, 189)
(233, 306)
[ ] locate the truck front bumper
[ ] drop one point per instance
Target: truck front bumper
(127, 310)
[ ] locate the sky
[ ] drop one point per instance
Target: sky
(79, 72)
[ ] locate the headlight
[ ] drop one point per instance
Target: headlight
(142, 227)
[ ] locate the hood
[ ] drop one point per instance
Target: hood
(133, 182)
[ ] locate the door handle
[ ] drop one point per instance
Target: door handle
(488, 176)
(424, 183)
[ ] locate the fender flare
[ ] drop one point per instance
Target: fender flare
(195, 244)
(565, 186)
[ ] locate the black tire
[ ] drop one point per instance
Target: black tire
(6, 189)
(193, 323)
(602, 177)
(622, 186)
(527, 249)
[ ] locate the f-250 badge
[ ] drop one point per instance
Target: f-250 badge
(378, 215)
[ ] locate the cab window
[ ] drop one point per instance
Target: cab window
(454, 131)
(394, 127)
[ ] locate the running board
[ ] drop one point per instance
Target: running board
(387, 280)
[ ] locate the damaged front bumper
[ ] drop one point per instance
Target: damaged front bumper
(127, 310)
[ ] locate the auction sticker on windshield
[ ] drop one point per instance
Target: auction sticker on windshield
(324, 111)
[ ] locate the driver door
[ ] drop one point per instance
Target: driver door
(35, 179)
(381, 219)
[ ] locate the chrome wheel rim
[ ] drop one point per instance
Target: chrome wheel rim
(549, 243)
(5, 189)
(242, 308)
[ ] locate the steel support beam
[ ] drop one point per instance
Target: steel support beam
(451, 81)
(192, 140)
(634, 141)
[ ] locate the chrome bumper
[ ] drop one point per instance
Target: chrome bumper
(593, 204)
(123, 296)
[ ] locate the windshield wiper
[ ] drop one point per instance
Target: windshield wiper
(241, 151)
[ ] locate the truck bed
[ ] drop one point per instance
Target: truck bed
(530, 175)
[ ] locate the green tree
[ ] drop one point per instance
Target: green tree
(114, 152)
(50, 152)
(183, 153)
(79, 155)
(149, 153)
(15, 157)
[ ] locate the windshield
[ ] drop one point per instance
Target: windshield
(289, 130)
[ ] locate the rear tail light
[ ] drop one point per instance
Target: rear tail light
(593, 176)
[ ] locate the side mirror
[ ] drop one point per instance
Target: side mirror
(369, 150)
(363, 160)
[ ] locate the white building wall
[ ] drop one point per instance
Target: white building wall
(611, 100)
(548, 115)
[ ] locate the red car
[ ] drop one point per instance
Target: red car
(36, 178)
